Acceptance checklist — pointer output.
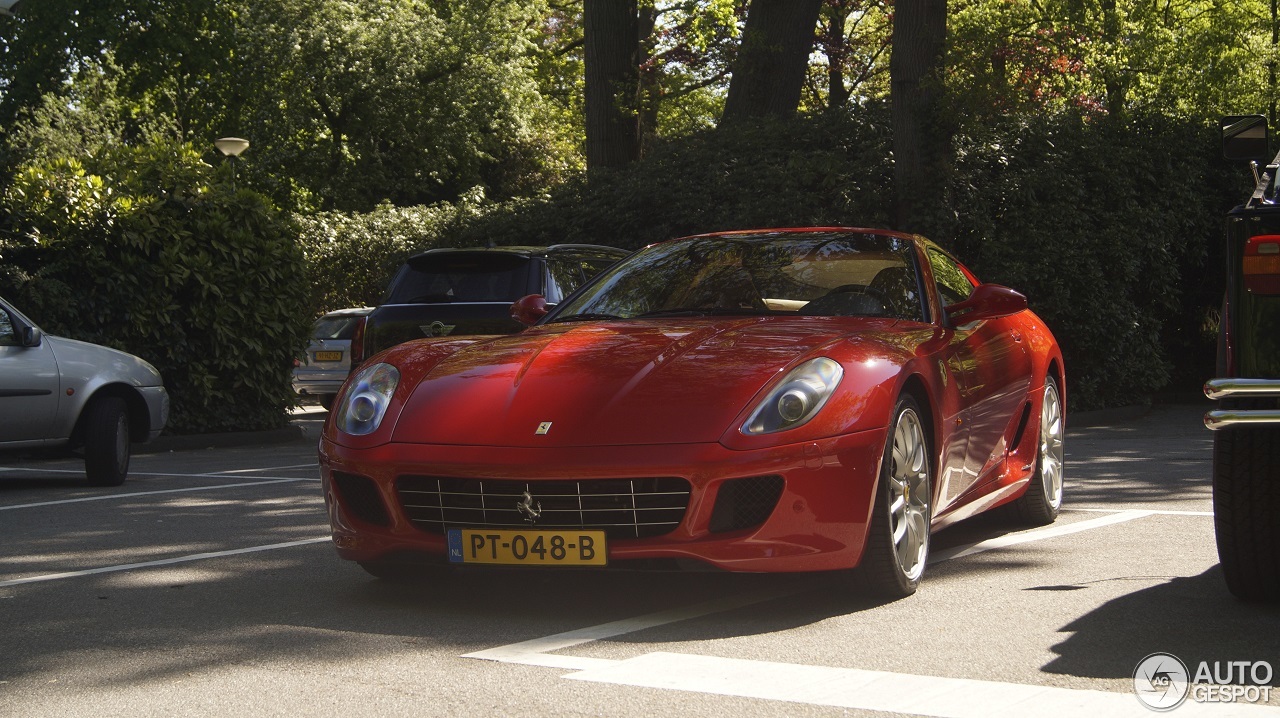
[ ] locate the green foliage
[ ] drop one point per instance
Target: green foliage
(1107, 227)
(351, 256)
(150, 251)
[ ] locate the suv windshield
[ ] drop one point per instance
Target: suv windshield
(460, 277)
(808, 273)
(335, 327)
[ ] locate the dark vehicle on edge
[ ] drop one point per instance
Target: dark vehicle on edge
(454, 292)
(1246, 441)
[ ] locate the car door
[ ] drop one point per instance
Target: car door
(992, 366)
(28, 384)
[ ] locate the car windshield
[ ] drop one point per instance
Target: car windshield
(805, 273)
(461, 277)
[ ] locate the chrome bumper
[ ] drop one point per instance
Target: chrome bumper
(1241, 389)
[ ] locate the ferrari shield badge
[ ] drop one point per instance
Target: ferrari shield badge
(543, 428)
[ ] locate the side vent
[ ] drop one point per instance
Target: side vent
(360, 497)
(745, 503)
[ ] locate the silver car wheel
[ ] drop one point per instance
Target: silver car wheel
(1051, 446)
(909, 497)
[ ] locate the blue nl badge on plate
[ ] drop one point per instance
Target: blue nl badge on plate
(455, 545)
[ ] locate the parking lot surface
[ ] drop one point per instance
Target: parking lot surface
(206, 585)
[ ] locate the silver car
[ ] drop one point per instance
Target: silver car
(328, 359)
(65, 395)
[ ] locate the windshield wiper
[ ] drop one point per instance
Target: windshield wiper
(586, 317)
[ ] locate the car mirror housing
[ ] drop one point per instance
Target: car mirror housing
(31, 336)
(988, 301)
(528, 310)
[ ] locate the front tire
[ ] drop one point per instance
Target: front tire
(898, 540)
(106, 442)
(1246, 510)
(1042, 501)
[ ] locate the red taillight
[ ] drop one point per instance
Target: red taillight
(357, 343)
(1262, 264)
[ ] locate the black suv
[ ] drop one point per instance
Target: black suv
(448, 292)
(1246, 440)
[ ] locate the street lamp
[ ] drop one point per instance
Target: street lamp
(231, 147)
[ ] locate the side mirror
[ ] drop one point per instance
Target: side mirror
(31, 337)
(1244, 138)
(528, 310)
(988, 301)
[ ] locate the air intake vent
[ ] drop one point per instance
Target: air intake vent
(745, 503)
(360, 498)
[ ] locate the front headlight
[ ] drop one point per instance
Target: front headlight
(367, 399)
(797, 398)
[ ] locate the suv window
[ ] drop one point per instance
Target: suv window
(341, 327)
(450, 277)
(8, 338)
(953, 285)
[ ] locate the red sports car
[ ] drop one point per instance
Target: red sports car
(772, 400)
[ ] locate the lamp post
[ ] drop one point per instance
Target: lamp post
(231, 147)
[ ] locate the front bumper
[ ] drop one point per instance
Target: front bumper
(1228, 389)
(818, 523)
(157, 400)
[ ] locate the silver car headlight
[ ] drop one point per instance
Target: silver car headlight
(367, 399)
(797, 398)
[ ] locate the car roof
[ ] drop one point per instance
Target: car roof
(526, 250)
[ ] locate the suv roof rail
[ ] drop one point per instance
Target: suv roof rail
(559, 247)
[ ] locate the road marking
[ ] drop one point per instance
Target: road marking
(160, 562)
(1038, 535)
(534, 652)
(878, 690)
(1159, 512)
(108, 497)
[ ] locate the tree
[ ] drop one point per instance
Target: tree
(920, 141)
(612, 44)
(772, 61)
(853, 39)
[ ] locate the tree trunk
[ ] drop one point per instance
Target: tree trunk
(611, 46)
(919, 140)
(769, 73)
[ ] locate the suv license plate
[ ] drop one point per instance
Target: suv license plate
(528, 548)
(329, 356)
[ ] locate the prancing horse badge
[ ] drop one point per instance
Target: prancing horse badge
(543, 428)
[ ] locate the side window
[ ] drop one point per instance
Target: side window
(953, 285)
(8, 337)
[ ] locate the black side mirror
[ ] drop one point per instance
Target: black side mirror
(1244, 138)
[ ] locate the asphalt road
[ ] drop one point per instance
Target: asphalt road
(206, 586)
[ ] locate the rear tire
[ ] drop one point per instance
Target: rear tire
(106, 441)
(1041, 503)
(1246, 510)
(898, 540)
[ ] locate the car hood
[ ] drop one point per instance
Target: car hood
(82, 359)
(608, 384)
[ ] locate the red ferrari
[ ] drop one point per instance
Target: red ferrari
(771, 400)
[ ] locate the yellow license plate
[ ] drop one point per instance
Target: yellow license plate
(329, 356)
(527, 547)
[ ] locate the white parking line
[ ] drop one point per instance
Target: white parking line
(821, 685)
(879, 690)
(1158, 512)
(174, 474)
(160, 562)
(109, 497)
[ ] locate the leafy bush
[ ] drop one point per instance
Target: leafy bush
(351, 256)
(150, 251)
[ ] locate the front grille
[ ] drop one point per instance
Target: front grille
(622, 508)
(745, 503)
